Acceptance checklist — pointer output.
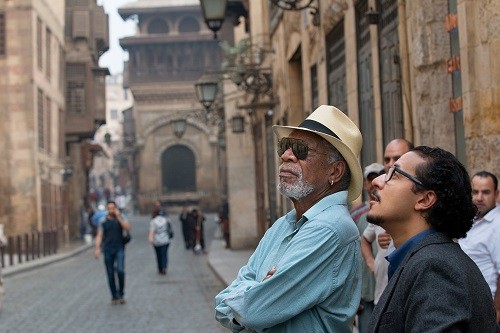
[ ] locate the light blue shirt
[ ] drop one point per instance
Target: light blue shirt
(317, 284)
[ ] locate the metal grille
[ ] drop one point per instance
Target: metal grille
(392, 108)
(75, 88)
(365, 86)
(41, 119)
(3, 50)
(335, 43)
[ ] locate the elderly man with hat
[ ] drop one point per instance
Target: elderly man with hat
(304, 275)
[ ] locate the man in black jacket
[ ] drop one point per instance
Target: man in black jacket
(423, 202)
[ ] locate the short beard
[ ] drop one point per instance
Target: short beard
(297, 191)
(377, 220)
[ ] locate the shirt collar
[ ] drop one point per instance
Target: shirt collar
(396, 257)
(490, 216)
(338, 198)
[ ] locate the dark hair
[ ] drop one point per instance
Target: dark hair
(111, 202)
(453, 212)
(486, 174)
(155, 212)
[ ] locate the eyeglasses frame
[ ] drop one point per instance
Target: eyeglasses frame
(394, 168)
(298, 141)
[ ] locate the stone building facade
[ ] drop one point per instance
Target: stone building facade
(422, 70)
(43, 136)
(180, 150)
(32, 119)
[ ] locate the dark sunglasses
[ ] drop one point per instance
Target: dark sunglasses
(394, 169)
(299, 147)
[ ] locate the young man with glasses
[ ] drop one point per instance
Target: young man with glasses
(304, 275)
(424, 201)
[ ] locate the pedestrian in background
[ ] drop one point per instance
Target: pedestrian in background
(424, 202)
(160, 233)
(482, 243)
(110, 237)
(183, 218)
(196, 221)
(358, 214)
(304, 275)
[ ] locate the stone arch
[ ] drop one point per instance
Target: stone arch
(153, 125)
(178, 169)
(158, 26)
(188, 24)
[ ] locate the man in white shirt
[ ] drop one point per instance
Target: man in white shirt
(482, 243)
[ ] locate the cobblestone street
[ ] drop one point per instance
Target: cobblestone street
(73, 296)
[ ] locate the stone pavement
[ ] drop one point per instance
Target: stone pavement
(224, 262)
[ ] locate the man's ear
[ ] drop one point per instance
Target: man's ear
(337, 171)
(425, 200)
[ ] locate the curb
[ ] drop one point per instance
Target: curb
(27, 266)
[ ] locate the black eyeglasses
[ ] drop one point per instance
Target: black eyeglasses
(299, 147)
(393, 169)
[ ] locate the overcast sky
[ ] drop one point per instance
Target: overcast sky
(115, 56)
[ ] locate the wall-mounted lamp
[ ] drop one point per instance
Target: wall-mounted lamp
(179, 127)
(373, 16)
(298, 5)
(206, 90)
(66, 172)
(238, 124)
(214, 12)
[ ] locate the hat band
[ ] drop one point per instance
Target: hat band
(318, 127)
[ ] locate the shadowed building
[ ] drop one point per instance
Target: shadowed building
(179, 152)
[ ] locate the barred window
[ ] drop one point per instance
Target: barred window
(47, 125)
(48, 59)
(39, 55)
(75, 88)
(41, 119)
(2, 35)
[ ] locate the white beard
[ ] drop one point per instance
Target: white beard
(299, 190)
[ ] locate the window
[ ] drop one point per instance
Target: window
(41, 119)
(157, 26)
(189, 24)
(75, 88)
(48, 59)
(314, 88)
(47, 128)
(39, 54)
(2, 35)
(113, 114)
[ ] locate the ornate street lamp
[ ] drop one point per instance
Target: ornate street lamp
(179, 126)
(298, 5)
(214, 12)
(206, 90)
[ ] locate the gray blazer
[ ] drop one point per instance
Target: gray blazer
(437, 288)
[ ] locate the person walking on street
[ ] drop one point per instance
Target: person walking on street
(304, 275)
(160, 233)
(482, 243)
(110, 237)
(424, 202)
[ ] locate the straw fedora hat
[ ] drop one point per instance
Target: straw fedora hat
(332, 124)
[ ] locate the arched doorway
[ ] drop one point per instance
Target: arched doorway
(178, 169)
